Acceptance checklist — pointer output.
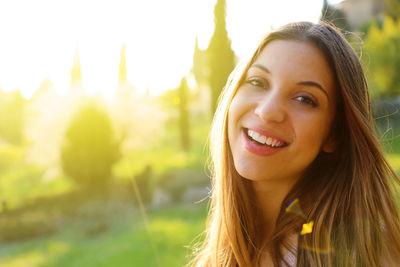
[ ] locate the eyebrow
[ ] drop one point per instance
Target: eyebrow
(305, 83)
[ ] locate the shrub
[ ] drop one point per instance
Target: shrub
(16, 228)
(90, 148)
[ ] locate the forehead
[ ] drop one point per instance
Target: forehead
(296, 60)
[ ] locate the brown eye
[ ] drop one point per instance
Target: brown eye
(255, 82)
(307, 100)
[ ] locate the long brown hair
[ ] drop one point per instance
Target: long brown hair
(349, 194)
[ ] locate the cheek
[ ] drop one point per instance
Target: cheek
(231, 118)
(234, 114)
(234, 107)
(231, 125)
(240, 105)
(238, 109)
(312, 132)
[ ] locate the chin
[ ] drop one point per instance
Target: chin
(250, 173)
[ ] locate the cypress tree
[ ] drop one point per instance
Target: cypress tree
(184, 127)
(221, 57)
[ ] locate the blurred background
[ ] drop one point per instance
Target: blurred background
(105, 108)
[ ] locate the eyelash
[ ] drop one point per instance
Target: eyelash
(302, 99)
(307, 100)
(255, 82)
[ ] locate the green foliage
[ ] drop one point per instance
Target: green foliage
(394, 160)
(392, 8)
(90, 148)
(21, 181)
(143, 183)
(12, 108)
(10, 155)
(165, 154)
(382, 49)
(176, 183)
(221, 57)
(335, 16)
(19, 228)
(169, 101)
(184, 126)
(176, 103)
(200, 66)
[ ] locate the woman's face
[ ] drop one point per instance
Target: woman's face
(280, 118)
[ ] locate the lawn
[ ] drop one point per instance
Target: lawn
(100, 234)
(117, 235)
(122, 239)
(114, 234)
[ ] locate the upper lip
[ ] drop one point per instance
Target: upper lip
(267, 133)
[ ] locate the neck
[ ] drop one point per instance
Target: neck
(269, 196)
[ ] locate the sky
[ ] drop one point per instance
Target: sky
(39, 38)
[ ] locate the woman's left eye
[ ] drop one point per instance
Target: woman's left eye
(255, 82)
(307, 100)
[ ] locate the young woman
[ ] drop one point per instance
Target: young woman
(299, 177)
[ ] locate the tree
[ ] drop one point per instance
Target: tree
(12, 109)
(335, 16)
(90, 149)
(176, 103)
(183, 92)
(221, 57)
(200, 66)
(382, 56)
(392, 8)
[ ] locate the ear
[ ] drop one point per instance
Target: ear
(329, 146)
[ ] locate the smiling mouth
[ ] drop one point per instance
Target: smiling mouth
(263, 140)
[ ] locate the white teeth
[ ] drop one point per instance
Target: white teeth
(255, 135)
(269, 141)
(263, 139)
(274, 143)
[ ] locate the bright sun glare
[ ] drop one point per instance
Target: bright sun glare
(39, 39)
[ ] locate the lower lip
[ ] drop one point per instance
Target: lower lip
(258, 149)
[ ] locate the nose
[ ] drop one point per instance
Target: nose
(270, 108)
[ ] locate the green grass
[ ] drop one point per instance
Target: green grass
(125, 239)
(127, 243)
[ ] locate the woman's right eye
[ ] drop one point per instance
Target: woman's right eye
(256, 82)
